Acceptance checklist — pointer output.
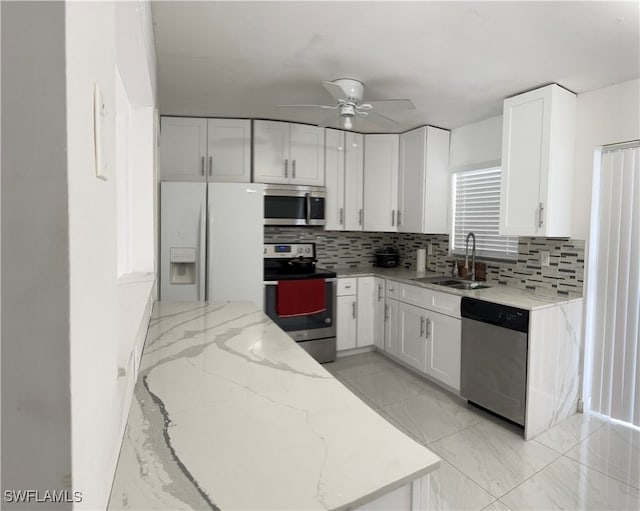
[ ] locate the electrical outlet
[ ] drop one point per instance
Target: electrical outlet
(545, 257)
(429, 248)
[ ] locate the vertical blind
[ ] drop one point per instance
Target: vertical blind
(613, 310)
(476, 208)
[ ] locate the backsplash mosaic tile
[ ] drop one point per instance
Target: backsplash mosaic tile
(564, 276)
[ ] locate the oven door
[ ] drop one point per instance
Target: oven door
(294, 205)
(308, 327)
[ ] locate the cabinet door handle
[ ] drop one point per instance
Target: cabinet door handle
(293, 169)
(341, 216)
(202, 165)
(386, 312)
(399, 215)
(393, 218)
(353, 309)
(421, 326)
(428, 329)
(379, 292)
(360, 217)
(210, 166)
(540, 215)
(286, 168)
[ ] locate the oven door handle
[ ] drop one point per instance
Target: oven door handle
(275, 282)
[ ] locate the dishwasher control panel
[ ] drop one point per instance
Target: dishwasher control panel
(495, 314)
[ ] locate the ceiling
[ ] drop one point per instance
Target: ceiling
(457, 61)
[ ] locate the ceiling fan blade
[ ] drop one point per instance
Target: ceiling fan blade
(381, 120)
(392, 105)
(330, 121)
(326, 107)
(335, 90)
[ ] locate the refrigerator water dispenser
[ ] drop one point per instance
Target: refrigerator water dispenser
(183, 265)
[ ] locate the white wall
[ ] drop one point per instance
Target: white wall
(604, 116)
(91, 58)
(36, 415)
(476, 144)
(101, 39)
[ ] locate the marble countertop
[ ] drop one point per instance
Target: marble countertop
(230, 413)
(498, 293)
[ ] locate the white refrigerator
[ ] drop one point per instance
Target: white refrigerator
(212, 240)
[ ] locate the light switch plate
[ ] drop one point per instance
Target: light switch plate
(99, 118)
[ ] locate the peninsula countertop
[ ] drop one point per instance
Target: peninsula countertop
(496, 293)
(229, 413)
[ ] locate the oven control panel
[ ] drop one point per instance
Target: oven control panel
(289, 250)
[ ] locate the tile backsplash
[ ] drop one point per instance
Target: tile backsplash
(335, 249)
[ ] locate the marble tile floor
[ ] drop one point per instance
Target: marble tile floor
(583, 463)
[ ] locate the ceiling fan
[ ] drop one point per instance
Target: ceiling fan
(348, 94)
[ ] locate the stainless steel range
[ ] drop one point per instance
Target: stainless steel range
(301, 298)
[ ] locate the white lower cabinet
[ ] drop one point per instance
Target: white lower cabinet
(346, 327)
(378, 319)
(391, 327)
(415, 333)
(360, 313)
(412, 343)
(443, 335)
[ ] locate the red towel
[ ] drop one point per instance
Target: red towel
(300, 297)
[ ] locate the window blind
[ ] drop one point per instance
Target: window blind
(476, 208)
(613, 297)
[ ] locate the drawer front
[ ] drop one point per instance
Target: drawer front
(346, 287)
(415, 295)
(444, 303)
(436, 301)
(393, 289)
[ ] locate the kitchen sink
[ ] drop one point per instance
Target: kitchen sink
(452, 283)
(468, 285)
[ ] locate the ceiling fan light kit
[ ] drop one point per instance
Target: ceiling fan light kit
(349, 94)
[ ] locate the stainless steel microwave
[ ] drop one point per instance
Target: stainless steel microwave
(294, 205)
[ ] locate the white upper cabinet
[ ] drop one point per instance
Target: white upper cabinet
(229, 150)
(344, 180)
(423, 184)
(537, 163)
(381, 182)
(183, 149)
(195, 149)
(307, 155)
(287, 153)
(334, 179)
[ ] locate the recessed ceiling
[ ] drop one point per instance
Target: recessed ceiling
(457, 61)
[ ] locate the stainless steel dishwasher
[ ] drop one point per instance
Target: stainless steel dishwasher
(494, 357)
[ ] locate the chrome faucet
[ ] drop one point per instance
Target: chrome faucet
(473, 256)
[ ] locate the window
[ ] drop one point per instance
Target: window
(476, 208)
